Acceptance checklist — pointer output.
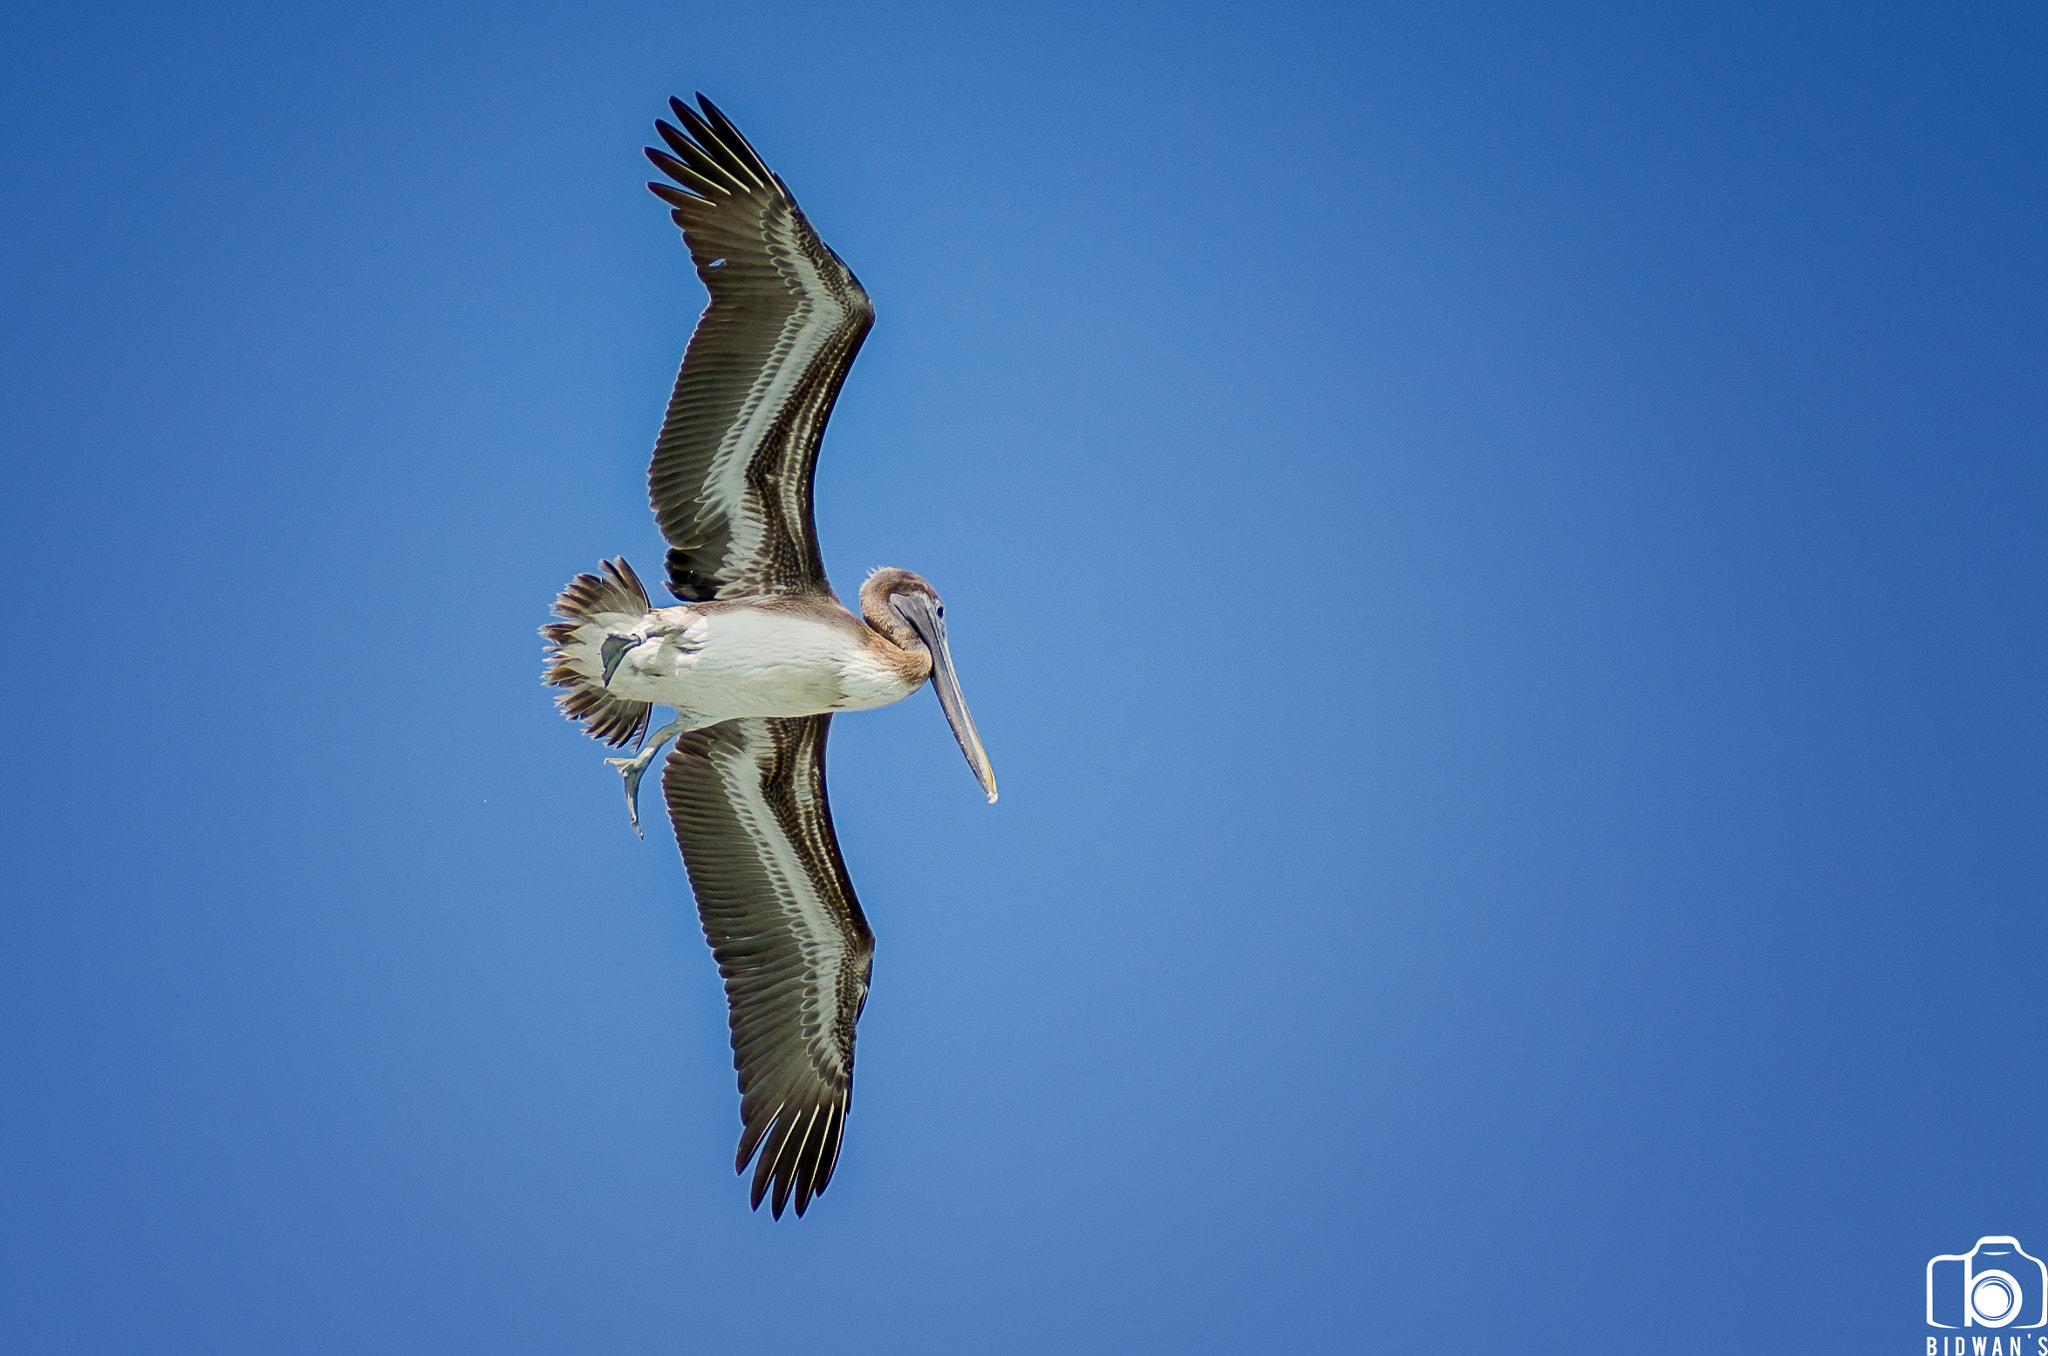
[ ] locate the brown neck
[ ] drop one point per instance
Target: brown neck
(876, 612)
(902, 648)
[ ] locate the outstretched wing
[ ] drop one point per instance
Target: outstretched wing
(731, 479)
(747, 798)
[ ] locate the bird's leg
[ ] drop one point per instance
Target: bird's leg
(616, 647)
(613, 651)
(635, 767)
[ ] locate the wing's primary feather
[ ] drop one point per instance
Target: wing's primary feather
(747, 798)
(731, 477)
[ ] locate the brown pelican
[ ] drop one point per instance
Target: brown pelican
(760, 651)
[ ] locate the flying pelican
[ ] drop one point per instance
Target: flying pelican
(760, 652)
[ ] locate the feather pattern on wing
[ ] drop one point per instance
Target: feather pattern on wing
(731, 478)
(747, 798)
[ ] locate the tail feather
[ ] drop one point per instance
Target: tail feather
(592, 605)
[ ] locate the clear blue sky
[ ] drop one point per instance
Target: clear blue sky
(1498, 551)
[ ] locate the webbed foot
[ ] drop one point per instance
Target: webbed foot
(614, 651)
(635, 768)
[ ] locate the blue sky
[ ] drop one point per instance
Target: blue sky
(1497, 550)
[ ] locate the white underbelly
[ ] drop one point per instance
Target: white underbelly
(747, 662)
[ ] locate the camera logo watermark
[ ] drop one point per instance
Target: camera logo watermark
(1993, 1285)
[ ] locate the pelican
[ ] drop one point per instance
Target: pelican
(758, 652)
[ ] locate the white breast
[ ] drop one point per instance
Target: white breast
(747, 661)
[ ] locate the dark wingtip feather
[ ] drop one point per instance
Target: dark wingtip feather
(764, 1166)
(674, 139)
(734, 138)
(705, 186)
(834, 1136)
(674, 197)
(797, 1152)
(664, 162)
(750, 1140)
(695, 165)
(736, 142)
(723, 146)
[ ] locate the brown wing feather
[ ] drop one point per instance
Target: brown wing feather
(731, 477)
(747, 798)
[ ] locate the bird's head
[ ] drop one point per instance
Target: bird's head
(906, 610)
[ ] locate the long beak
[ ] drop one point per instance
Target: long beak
(917, 609)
